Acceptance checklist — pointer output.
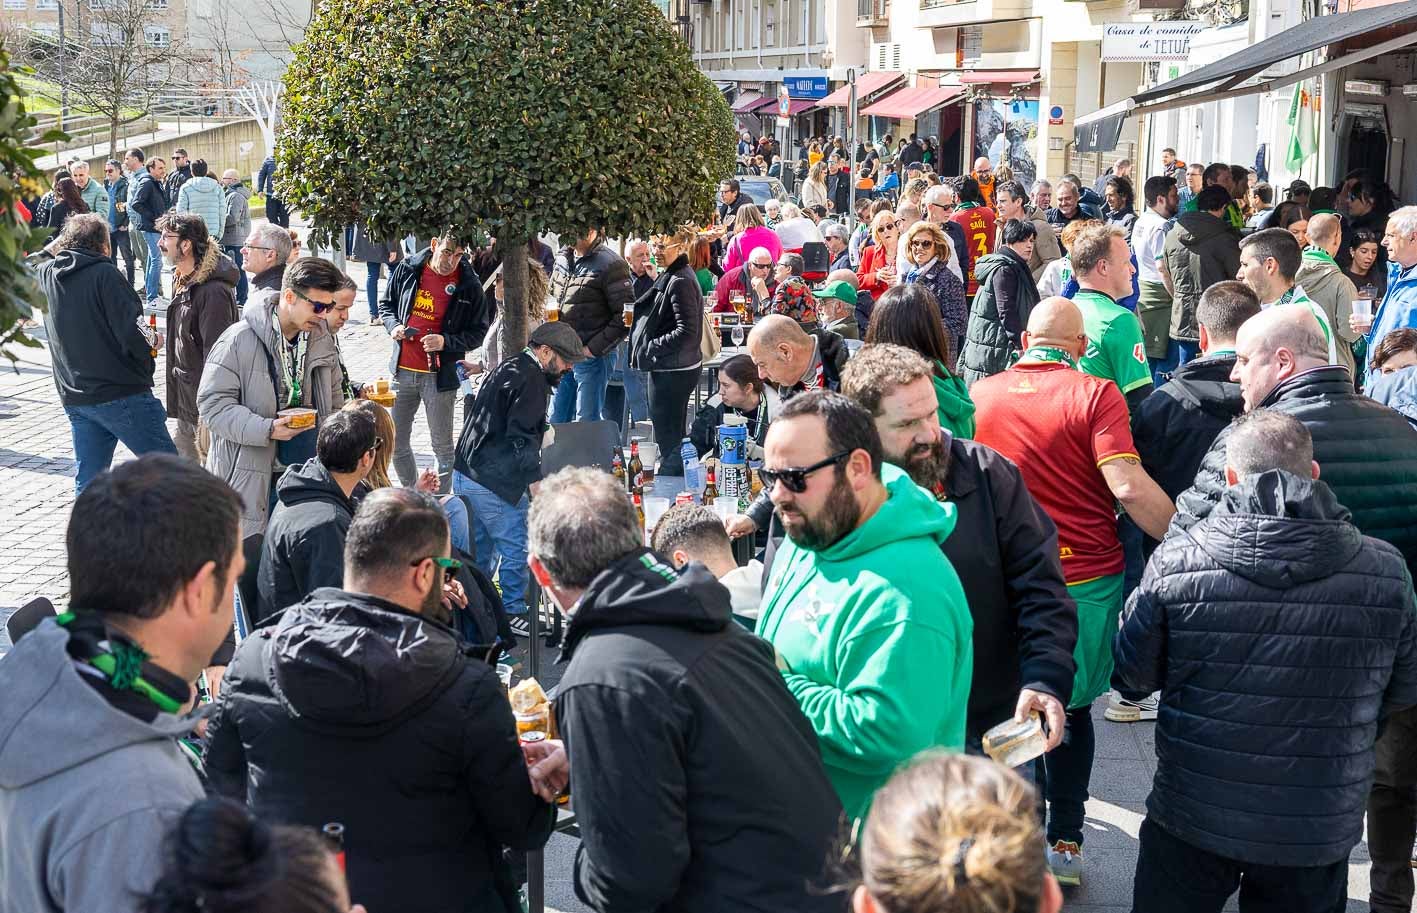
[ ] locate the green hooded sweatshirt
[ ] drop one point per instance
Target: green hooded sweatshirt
(956, 408)
(876, 640)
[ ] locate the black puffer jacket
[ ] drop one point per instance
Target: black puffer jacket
(669, 321)
(1005, 549)
(699, 784)
(593, 291)
(1367, 454)
(1279, 637)
(1174, 427)
(998, 316)
(349, 708)
(304, 546)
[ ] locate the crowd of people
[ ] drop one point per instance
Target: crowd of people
(1020, 450)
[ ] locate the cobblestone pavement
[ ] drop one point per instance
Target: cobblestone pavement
(36, 492)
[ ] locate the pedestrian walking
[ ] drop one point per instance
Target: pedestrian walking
(591, 286)
(977, 223)
(432, 784)
(1227, 624)
(236, 227)
(96, 700)
(435, 311)
(103, 362)
(146, 204)
(115, 184)
(375, 255)
(710, 821)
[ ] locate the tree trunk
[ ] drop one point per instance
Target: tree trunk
(514, 293)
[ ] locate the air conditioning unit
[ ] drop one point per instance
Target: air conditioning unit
(885, 56)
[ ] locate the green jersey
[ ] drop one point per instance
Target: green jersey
(1115, 348)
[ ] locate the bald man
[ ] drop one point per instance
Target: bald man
(984, 175)
(1068, 433)
(1327, 286)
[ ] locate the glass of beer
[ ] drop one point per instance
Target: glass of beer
(629, 313)
(537, 720)
(553, 312)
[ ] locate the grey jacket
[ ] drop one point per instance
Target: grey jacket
(237, 400)
(238, 216)
(87, 792)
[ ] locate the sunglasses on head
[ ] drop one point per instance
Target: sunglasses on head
(320, 306)
(795, 480)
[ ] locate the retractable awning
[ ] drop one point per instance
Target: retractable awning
(915, 102)
(867, 84)
(796, 106)
(999, 77)
(748, 101)
(1228, 77)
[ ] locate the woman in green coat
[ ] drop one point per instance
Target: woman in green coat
(908, 316)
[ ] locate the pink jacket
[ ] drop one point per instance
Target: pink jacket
(744, 242)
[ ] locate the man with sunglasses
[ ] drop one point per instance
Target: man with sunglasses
(940, 205)
(203, 306)
(115, 183)
(358, 705)
(755, 280)
(304, 545)
(279, 355)
(868, 618)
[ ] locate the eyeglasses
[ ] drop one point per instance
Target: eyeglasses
(448, 564)
(795, 480)
(320, 306)
(254, 247)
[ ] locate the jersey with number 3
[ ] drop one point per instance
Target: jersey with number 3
(978, 225)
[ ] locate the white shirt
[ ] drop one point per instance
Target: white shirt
(1148, 239)
(1055, 276)
(793, 233)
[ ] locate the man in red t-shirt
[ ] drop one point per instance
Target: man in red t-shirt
(977, 221)
(1069, 435)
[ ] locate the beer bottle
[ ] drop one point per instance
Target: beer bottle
(637, 468)
(639, 510)
(334, 839)
(152, 333)
(710, 490)
(617, 468)
(755, 486)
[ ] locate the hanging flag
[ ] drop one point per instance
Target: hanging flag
(1303, 126)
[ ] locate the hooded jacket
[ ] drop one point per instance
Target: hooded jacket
(593, 291)
(880, 661)
(464, 324)
(500, 444)
(202, 308)
(1174, 427)
(955, 409)
(205, 197)
(1279, 637)
(997, 318)
(1200, 250)
(98, 352)
(304, 545)
(87, 791)
(1327, 286)
(1366, 451)
(698, 782)
(237, 400)
(1398, 309)
(349, 708)
(146, 201)
(237, 224)
(1005, 549)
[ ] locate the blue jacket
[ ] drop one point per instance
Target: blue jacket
(1397, 390)
(1398, 309)
(205, 197)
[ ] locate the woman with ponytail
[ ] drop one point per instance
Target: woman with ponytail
(954, 834)
(222, 859)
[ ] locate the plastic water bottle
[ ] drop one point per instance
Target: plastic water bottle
(693, 473)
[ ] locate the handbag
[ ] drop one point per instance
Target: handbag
(710, 342)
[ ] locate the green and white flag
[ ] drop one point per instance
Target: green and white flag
(1303, 123)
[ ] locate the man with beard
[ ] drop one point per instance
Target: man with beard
(359, 706)
(1067, 431)
(879, 660)
(499, 455)
(1004, 546)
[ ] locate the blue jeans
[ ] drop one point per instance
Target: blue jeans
(500, 531)
(139, 421)
(152, 272)
(242, 286)
(1161, 368)
(371, 288)
(582, 391)
(459, 529)
(626, 386)
(1186, 351)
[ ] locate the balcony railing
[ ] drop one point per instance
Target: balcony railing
(873, 12)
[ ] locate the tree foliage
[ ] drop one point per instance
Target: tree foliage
(510, 117)
(20, 296)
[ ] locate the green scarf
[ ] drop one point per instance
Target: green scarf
(1051, 355)
(1319, 255)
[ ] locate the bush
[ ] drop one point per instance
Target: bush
(20, 297)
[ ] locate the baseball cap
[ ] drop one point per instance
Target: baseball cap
(561, 338)
(841, 290)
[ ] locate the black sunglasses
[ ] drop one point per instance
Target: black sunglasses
(320, 306)
(795, 480)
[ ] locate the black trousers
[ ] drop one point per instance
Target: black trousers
(1174, 876)
(1392, 815)
(669, 413)
(118, 243)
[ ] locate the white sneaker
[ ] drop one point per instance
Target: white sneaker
(1121, 710)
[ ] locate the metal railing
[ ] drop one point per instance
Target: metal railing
(190, 112)
(872, 10)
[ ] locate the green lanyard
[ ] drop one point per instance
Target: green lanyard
(292, 362)
(1051, 355)
(345, 386)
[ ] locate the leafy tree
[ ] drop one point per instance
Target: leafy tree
(509, 117)
(20, 297)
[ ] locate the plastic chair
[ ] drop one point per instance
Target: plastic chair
(815, 260)
(27, 617)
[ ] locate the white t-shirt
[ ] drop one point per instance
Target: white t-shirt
(793, 233)
(1148, 239)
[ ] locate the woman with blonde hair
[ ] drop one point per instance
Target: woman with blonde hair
(952, 833)
(929, 251)
(877, 273)
(814, 189)
(749, 232)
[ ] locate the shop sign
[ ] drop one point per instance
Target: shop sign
(806, 86)
(1149, 41)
